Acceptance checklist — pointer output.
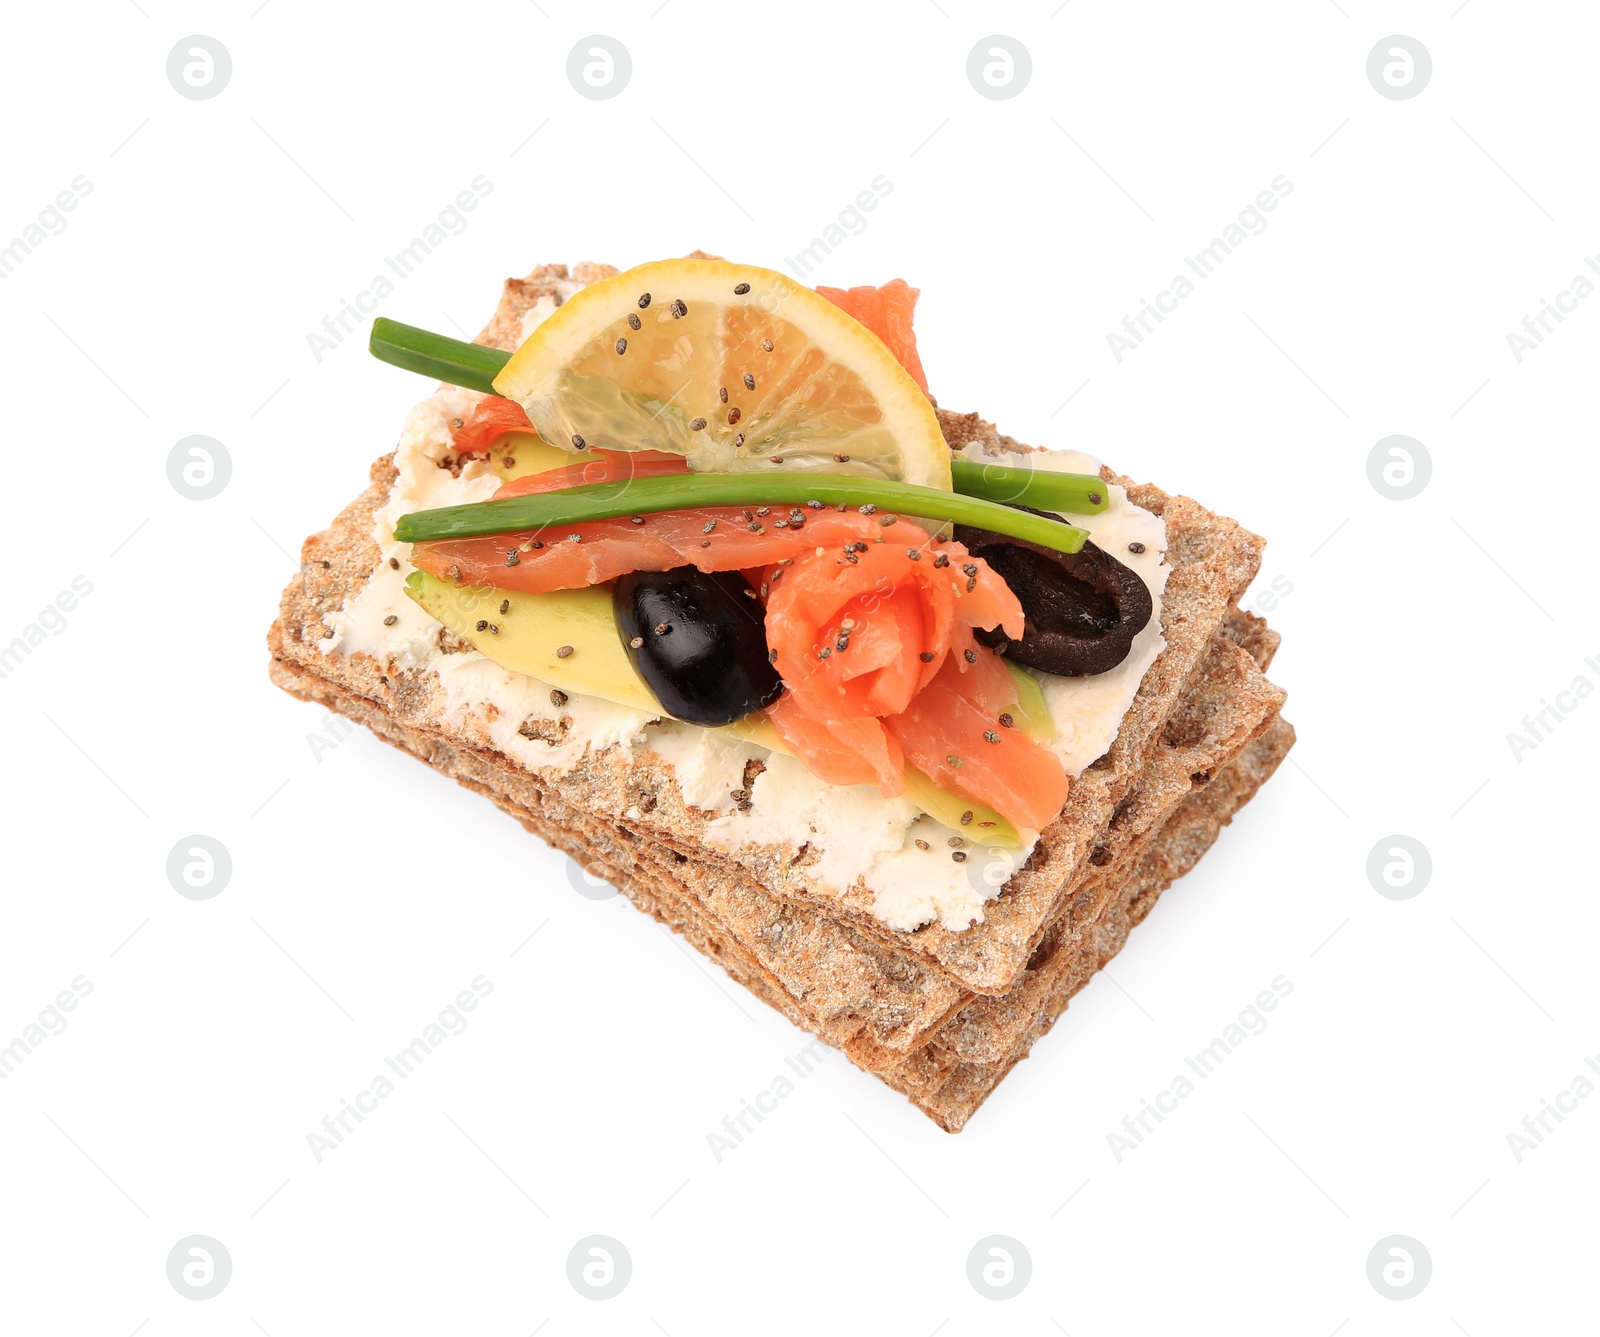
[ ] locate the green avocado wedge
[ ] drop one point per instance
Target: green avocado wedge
(530, 635)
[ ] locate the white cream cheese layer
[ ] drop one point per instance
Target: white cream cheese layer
(852, 834)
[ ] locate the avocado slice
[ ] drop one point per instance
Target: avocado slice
(533, 628)
(527, 455)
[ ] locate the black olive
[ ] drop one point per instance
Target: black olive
(699, 641)
(1081, 610)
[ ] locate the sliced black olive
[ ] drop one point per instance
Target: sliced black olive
(699, 641)
(1081, 610)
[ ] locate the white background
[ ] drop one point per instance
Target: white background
(367, 891)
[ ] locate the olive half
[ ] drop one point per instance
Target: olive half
(1081, 610)
(699, 641)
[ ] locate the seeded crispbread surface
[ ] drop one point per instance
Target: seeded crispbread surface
(1213, 559)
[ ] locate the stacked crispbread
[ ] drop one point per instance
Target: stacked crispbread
(939, 1015)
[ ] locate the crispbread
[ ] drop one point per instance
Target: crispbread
(901, 1004)
(875, 1003)
(1213, 560)
(940, 1078)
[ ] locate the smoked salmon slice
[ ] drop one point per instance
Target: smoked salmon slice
(886, 311)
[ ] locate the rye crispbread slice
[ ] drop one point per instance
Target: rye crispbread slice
(874, 1002)
(943, 1078)
(1213, 559)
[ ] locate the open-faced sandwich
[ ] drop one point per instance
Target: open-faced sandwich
(902, 723)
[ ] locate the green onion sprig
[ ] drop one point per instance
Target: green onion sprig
(646, 496)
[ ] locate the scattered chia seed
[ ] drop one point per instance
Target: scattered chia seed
(887, 520)
(678, 309)
(636, 642)
(841, 459)
(644, 301)
(579, 442)
(574, 538)
(457, 423)
(505, 606)
(508, 462)
(755, 527)
(394, 563)
(749, 381)
(869, 509)
(814, 505)
(633, 321)
(956, 843)
(954, 760)
(662, 628)
(990, 736)
(739, 290)
(824, 652)
(1095, 499)
(777, 459)
(622, 347)
(922, 844)
(1006, 722)
(511, 557)
(941, 560)
(722, 393)
(482, 625)
(733, 415)
(772, 656)
(926, 656)
(493, 630)
(763, 510)
(915, 554)
(767, 344)
(697, 424)
(390, 620)
(749, 593)
(1136, 547)
(636, 519)
(705, 543)
(558, 698)
(563, 652)
(972, 656)
(708, 526)
(966, 817)
(960, 856)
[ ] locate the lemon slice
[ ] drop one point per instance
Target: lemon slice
(734, 367)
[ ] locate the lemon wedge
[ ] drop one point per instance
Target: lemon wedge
(734, 367)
